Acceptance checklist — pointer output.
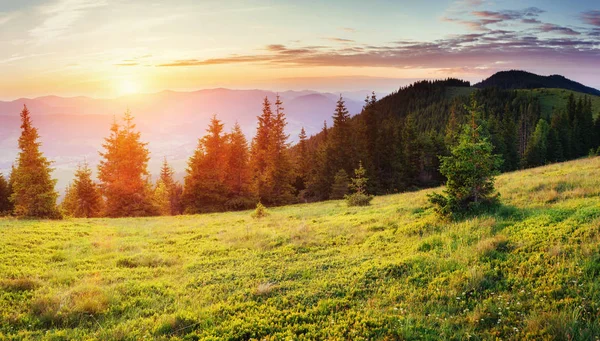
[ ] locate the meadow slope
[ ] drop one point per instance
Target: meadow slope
(530, 270)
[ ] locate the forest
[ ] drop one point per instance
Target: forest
(398, 139)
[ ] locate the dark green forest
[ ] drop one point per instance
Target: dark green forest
(398, 139)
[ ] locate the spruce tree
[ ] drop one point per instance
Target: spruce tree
(339, 189)
(123, 173)
(162, 198)
(172, 188)
(470, 170)
(537, 150)
(302, 161)
(339, 142)
(260, 151)
(205, 189)
(411, 153)
(88, 201)
(358, 185)
(239, 176)
(33, 193)
(69, 202)
(280, 169)
(5, 207)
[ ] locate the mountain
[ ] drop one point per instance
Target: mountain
(73, 128)
(516, 79)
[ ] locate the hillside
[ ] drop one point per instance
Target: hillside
(552, 99)
(516, 79)
(318, 271)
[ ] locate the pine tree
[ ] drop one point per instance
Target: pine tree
(82, 197)
(358, 185)
(123, 173)
(302, 161)
(339, 189)
(162, 198)
(411, 153)
(33, 188)
(205, 189)
(597, 132)
(5, 207)
(470, 170)
(172, 189)
(10, 187)
(239, 176)
(280, 170)
(537, 149)
(260, 151)
(69, 202)
(339, 144)
(452, 128)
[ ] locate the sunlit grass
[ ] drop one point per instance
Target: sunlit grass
(318, 271)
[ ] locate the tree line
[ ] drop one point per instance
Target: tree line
(396, 143)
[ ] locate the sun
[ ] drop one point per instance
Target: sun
(128, 87)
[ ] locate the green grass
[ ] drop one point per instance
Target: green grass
(530, 270)
(551, 99)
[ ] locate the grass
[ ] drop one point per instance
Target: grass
(551, 99)
(528, 271)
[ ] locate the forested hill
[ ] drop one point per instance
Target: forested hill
(516, 79)
(399, 137)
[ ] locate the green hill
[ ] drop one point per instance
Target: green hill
(557, 98)
(390, 271)
(517, 79)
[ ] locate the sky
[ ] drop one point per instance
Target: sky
(110, 48)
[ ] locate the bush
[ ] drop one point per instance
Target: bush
(239, 204)
(260, 211)
(358, 199)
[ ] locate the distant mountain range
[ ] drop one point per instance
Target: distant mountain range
(516, 79)
(72, 129)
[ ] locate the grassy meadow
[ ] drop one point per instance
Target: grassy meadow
(528, 271)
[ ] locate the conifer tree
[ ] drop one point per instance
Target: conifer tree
(597, 132)
(260, 151)
(123, 173)
(172, 188)
(537, 149)
(280, 169)
(239, 177)
(303, 160)
(69, 202)
(340, 148)
(33, 193)
(470, 170)
(82, 197)
(339, 189)
(358, 185)
(411, 153)
(5, 207)
(204, 185)
(162, 198)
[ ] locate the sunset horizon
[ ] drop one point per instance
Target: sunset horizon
(189, 45)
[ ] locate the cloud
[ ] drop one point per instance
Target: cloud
(348, 29)
(60, 16)
(473, 51)
(485, 18)
(591, 18)
(339, 40)
(6, 17)
(558, 29)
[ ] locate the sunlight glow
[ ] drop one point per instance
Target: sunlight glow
(128, 87)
